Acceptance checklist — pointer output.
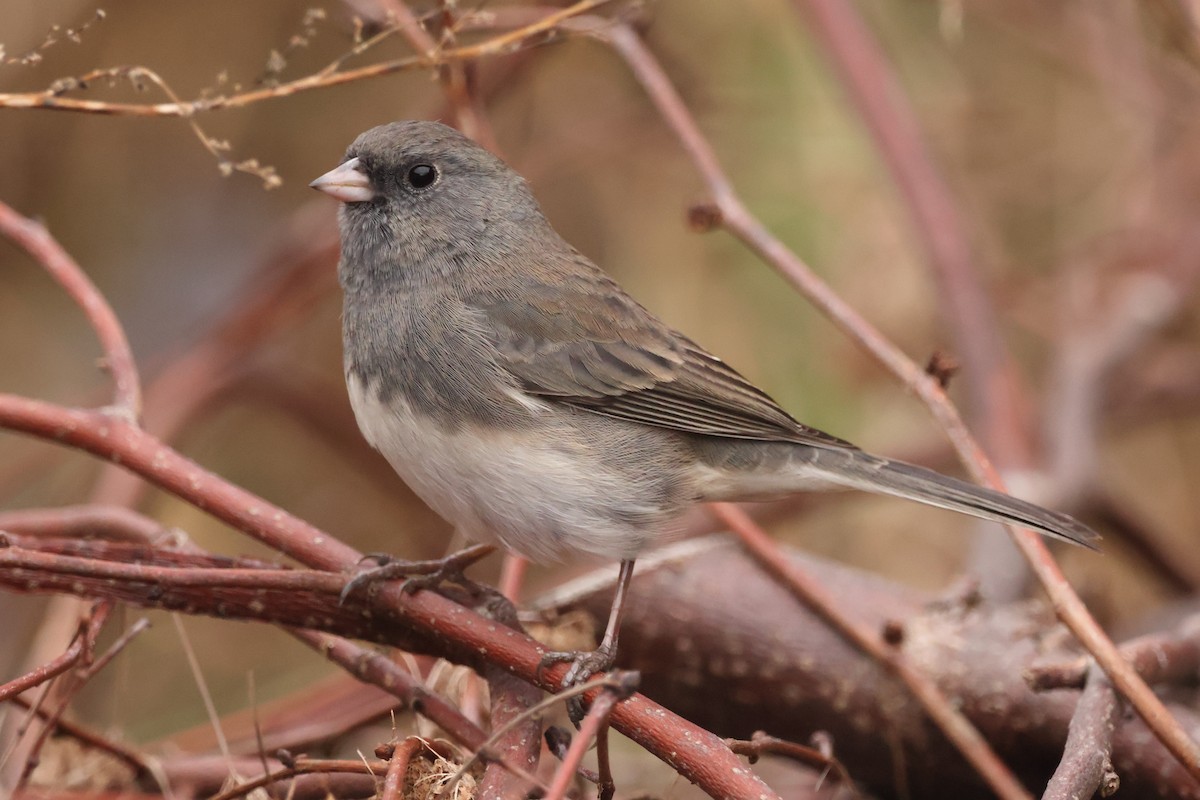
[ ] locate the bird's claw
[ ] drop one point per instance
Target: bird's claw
(584, 664)
(417, 574)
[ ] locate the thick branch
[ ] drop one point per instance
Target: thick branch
(705, 759)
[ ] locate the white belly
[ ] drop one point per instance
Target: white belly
(545, 497)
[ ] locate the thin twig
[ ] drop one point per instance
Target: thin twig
(303, 766)
(501, 44)
(761, 743)
(84, 520)
(871, 84)
(606, 785)
(512, 575)
(455, 77)
(379, 670)
(393, 781)
(69, 658)
(81, 679)
(589, 729)
(32, 237)
(614, 680)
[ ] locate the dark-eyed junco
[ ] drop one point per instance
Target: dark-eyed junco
(530, 401)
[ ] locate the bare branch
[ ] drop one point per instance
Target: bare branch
(954, 723)
(1086, 765)
(34, 239)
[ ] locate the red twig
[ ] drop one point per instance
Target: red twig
(393, 782)
(512, 575)
(131, 758)
(376, 668)
(596, 719)
(47, 671)
(86, 520)
(606, 785)
(78, 651)
(34, 239)
(81, 678)
(304, 766)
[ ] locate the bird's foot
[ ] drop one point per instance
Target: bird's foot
(418, 574)
(584, 664)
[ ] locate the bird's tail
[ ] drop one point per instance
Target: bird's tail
(859, 470)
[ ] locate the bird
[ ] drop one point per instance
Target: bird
(530, 401)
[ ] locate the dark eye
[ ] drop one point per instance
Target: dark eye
(422, 175)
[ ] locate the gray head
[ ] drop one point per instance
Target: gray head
(422, 199)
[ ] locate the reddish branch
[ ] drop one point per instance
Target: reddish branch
(463, 634)
(33, 238)
(36, 677)
(401, 754)
(86, 520)
(589, 729)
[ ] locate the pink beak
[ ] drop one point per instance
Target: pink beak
(346, 182)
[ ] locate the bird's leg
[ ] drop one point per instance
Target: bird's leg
(418, 574)
(585, 665)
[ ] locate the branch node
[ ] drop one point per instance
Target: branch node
(704, 217)
(1109, 780)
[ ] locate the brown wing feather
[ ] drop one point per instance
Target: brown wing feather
(611, 356)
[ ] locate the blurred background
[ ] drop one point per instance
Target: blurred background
(1066, 132)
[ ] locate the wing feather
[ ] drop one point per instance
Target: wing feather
(610, 356)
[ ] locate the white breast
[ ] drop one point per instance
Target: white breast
(545, 496)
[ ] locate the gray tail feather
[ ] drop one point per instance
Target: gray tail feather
(860, 470)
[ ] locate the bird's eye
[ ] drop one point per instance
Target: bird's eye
(422, 175)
